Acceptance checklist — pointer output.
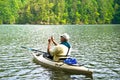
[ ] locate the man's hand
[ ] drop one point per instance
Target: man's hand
(49, 41)
(52, 38)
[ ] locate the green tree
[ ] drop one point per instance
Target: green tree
(106, 11)
(9, 11)
(116, 19)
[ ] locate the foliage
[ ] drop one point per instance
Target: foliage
(116, 19)
(59, 11)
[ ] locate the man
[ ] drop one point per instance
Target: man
(62, 49)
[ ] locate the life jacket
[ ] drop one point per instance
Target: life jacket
(67, 45)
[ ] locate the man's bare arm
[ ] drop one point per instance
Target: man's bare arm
(49, 45)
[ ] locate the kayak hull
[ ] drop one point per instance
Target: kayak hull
(71, 69)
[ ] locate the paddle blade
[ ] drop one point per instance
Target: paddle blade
(28, 48)
(23, 47)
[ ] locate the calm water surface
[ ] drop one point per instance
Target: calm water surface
(96, 46)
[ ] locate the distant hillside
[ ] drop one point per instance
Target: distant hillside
(59, 11)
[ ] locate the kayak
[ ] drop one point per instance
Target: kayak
(72, 69)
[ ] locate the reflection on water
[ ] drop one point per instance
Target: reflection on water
(96, 46)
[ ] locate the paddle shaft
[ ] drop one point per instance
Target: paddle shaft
(31, 49)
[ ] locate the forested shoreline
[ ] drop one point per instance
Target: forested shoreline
(60, 12)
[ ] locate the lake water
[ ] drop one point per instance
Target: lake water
(95, 46)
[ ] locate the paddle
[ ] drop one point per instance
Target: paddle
(31, 49)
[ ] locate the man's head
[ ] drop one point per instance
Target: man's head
(64, 37)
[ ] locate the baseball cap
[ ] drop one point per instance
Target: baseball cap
(66, 36)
